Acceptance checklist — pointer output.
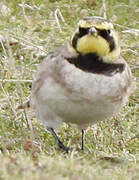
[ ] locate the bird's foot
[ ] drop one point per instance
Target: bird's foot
(61, 146)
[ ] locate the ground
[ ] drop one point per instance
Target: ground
(29, 30)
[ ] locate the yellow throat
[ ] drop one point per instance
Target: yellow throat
(91, 44)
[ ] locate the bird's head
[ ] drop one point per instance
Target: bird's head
(95, 35)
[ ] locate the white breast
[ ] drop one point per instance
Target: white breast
(79, 97)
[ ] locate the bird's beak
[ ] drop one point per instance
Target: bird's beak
(92, 31)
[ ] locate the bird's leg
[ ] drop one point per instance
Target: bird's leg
(59, 143)
(83, 135)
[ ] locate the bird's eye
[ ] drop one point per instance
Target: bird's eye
(109, 31)
(83, 31)
(104, 33)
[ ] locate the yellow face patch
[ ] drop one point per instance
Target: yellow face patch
(96, 24)
(91, 44)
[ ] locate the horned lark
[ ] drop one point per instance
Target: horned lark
(84, 81)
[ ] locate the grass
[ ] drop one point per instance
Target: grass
(28, 31)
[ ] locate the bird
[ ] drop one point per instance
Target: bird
(82, 82)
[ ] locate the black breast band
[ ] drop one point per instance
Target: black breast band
(94, 64)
